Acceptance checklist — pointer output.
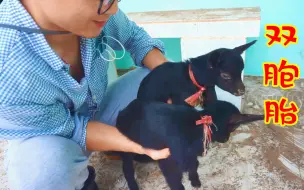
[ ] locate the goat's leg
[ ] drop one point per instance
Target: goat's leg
(193, 175)
(172, 174)
(128, 170)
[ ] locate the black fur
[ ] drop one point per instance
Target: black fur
(159, 125)
(221, 67)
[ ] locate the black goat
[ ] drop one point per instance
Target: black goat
(179, 81)
(159, 125)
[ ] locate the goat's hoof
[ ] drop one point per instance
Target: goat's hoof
(133, 186)
(196, 183)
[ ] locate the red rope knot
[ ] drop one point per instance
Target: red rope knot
(206, 121)
(194, 100)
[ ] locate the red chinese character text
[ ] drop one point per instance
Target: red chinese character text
(280, 113)
(288, 32)
(282, 75)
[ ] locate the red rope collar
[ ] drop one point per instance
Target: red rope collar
(194, 99)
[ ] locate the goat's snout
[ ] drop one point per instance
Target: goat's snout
(241, 92)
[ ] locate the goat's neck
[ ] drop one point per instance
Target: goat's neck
(199, 66)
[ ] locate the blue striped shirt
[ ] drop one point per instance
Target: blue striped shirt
(38, 96)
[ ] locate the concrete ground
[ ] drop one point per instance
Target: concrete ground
(257, 156)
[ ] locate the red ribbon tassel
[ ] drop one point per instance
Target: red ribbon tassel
(206, 121)
(192, 100)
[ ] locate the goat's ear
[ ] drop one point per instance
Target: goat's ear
(242, 48)
(236, 119)
(213, 59)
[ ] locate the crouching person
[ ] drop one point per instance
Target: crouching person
(55, 107)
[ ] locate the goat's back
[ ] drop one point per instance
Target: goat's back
(168, 79)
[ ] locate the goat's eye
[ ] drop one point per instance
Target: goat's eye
(225, 76)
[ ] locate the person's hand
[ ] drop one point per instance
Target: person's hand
(157, 154)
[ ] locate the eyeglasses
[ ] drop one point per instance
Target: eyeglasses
(105, 5)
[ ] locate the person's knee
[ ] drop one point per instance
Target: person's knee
(129, 84)
(46, 163)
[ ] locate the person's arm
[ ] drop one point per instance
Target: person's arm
(154, 58)
(102, 137)
(24, 121)
(144, 50)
